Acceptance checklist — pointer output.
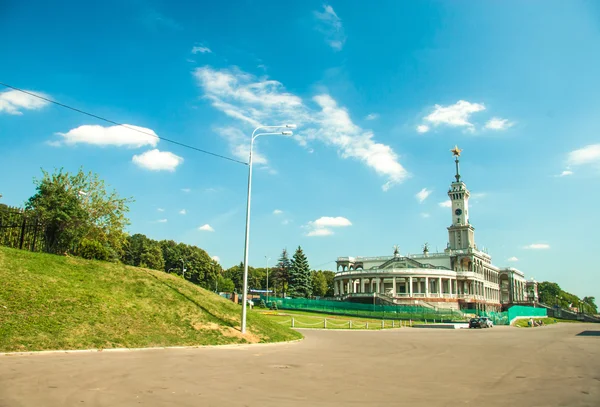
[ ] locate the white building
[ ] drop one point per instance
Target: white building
(461, 277)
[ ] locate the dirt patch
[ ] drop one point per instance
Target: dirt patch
(227, 331)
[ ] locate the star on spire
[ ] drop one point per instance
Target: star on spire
(456, 151)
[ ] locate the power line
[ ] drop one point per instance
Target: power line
(122, 125)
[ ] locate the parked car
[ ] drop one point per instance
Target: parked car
(475, 323)
(487, 322)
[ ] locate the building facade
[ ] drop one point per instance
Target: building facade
(460, 277)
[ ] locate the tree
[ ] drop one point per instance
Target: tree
(61, 212)
(548, 291)
(77, 207)
(225, 285)
(589, 304)
(281, 273)
(319, 283)
(300, 284)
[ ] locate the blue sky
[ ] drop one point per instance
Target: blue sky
(380, 94)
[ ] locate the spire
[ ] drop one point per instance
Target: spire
(456, 153)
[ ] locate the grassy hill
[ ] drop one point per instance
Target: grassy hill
(54, 302)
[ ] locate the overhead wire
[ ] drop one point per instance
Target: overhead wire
(122, 125)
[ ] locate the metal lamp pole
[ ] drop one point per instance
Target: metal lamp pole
(247, 239)
(267, 280)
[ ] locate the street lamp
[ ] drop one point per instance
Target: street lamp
(183, 269)
(247, 239)
(267, 258)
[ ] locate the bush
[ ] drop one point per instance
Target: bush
(93, 250)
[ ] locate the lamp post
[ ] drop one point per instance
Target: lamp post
(267, 258)
(183, 270)
(247, 239)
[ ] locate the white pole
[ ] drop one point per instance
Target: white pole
(247, 238)
(267, 304)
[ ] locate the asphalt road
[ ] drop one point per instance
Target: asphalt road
(546, 366)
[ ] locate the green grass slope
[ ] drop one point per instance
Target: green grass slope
(54, 302)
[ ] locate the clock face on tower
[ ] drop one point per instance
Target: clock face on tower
(458, 211)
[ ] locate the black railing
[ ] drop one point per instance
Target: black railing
(20, 229)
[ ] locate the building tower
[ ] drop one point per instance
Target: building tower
(461, 234)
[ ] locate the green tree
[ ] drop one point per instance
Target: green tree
(225, 285)
(319, 283)
(61, 212)
(329, 276)
(548, 291)
(589, 305)
(300, 284)
(77, 207)
(281, 274)
(152, 257)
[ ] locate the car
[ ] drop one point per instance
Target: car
(486, 322)
(475, 323)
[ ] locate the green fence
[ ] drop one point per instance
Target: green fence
(522, 311)
(404, 312)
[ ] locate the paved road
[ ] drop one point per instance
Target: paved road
(547, 366)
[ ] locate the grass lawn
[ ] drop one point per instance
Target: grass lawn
(524, 323)
(56, 302)
(304, 319)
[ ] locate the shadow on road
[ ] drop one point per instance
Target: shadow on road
(589, 333)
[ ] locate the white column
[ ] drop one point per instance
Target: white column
(394, 286)
(362, 285)
(410, 287)
(440, 289)
(426, 286)
(336, 290)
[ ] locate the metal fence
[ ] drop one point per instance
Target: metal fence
(404, 312)
(20, 229)
(397, 312)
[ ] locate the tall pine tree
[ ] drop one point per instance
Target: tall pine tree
(281, 274)
(300, 276)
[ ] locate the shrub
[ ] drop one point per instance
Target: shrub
(93, 250)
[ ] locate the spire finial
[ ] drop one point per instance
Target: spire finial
(456, 153)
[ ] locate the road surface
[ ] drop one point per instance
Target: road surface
(503, 366)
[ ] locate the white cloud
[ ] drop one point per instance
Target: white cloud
(372, 116)
(12, 102)
(206, 228)
(425, 215)
(331, 26)
(186, 190)
(201, 50)
(513, 259)
(566, 173)
(320, 232)
(496, 123)
(336, 128)
(446, 204)
(587, 155)
(537, 246)
(422, 128)
(216, 258)
(183, 212)
(160, 209)
(162, 221)
(127, 135)
(156, 160)
(423, 194)
(253, 101)
(456, 115)
(320, 227)
(277, 212)
(328, 221)
(285, 222)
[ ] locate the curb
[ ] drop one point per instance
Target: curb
(110, 350)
